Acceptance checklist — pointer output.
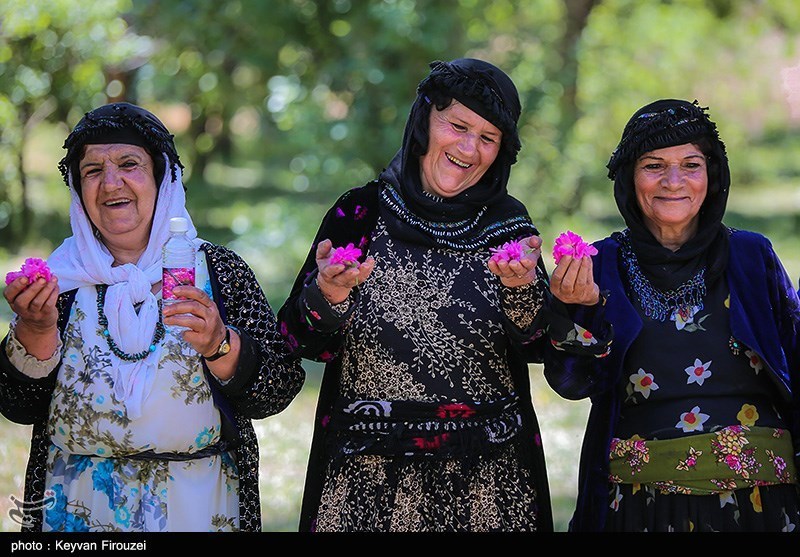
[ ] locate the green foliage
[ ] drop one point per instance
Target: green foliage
(279, 107)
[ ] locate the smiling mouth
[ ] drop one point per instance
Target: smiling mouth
(456, 161)
(116, 202)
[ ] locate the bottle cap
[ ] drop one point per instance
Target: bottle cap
(178, 224)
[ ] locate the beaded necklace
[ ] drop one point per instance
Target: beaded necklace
(158, 335)
(656, 304)
(461, 235)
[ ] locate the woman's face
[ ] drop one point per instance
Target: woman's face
(119, 193)
(461, 147)
(671, 185)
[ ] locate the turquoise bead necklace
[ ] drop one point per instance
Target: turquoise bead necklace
(158, 335)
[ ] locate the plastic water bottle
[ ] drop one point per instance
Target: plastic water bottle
(178, 263)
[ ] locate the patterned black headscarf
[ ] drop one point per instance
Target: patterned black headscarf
(665, 123)
(120, 122)
(490, 93)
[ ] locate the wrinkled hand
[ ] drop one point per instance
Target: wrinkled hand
(572, 281)
(200, 314)
(34, 304)
(336, 281)
(518, 273)
(37, 315)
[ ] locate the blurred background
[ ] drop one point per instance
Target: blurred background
(278, 107)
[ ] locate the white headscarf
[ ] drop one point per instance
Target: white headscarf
(82, 261)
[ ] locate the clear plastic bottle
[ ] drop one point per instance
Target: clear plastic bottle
(178, 263)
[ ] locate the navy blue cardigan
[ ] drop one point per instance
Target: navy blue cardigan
(764, 315)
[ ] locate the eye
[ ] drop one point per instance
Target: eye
(129, 164)
(90, 172)
(488, 139)
(458, 127)
(693, 165)
(653, 166)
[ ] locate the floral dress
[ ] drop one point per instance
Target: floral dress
(108, 472)
(700, 444)
(425, 358)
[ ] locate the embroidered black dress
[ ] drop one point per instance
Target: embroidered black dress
(708, 383)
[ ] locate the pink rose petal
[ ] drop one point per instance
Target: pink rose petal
(510, 251)
(347, 255)
(569, 243)
(33, 268)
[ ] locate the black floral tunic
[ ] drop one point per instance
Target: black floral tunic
(709, 384)
(427, 328)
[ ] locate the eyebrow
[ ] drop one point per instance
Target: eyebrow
(654, 157)
(125, 155)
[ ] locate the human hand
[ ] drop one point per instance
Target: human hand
(34, 303)
(572, 281)
(336, 280)
(200, 315)
(517, 269)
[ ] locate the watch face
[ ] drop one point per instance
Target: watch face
(224, 348)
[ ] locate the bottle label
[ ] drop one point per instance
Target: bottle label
(175, 277)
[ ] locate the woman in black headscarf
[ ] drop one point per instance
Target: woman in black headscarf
(424, 420)
(694, 420)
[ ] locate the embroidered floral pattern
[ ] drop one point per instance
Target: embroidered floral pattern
(698, 372)
(643, 382)
(88, 421)
(748, 415)
(634, 451)
(730, 448)
(755, 360)
(691, 460)
(684, 319)
(692, 420)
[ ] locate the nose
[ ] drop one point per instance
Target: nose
(111, 175)
(672, 175)
(468, 143)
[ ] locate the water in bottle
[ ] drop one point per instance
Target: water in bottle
(178, 263)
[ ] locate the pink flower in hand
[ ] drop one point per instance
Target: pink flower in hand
(347, 256)
(33, 268)
(509, 251)
(569, 243)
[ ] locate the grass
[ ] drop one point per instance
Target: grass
(284, 441)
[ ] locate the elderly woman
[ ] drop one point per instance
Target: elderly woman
(424, 419)
(137, 428)
(694, 418)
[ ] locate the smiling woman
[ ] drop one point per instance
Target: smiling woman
(693, 412)
(89, 364)
(425, 419)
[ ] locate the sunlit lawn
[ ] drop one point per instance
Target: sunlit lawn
(284, 442)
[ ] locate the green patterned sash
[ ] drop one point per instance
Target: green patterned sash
(724, 460)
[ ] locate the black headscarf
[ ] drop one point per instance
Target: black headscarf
(483, 214)
(120, 122)
(665, 123)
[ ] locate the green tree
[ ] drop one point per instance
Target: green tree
(55, 55)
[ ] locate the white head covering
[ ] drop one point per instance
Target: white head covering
(82, 261)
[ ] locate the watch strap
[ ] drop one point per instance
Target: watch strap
(220, 350)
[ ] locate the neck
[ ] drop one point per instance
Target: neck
(673, 237)
(125, 255)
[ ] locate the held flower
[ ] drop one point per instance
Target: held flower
(510, 251)
(569, 243)
(33, 268)
(347, 256)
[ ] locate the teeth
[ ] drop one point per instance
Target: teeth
(457, 162)
(117, 202)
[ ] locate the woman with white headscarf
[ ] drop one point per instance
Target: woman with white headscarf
(135, 427)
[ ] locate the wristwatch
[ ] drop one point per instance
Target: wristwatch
(223, 348)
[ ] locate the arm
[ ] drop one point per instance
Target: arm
(267, 377)
(26, 383)
(319, 306)
(579, 334)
